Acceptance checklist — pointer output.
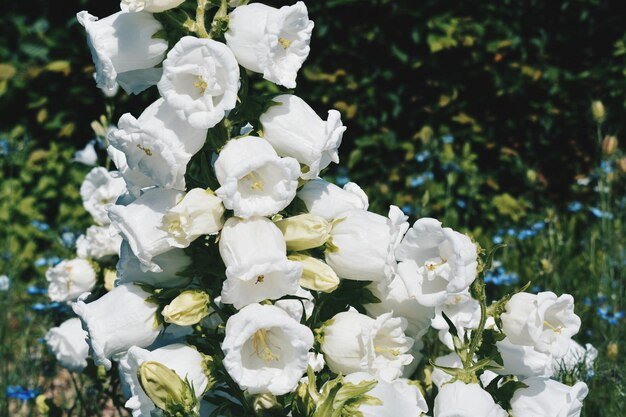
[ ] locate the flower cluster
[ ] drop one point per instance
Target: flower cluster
(237, 281)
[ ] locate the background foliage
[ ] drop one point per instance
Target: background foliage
(477, 113)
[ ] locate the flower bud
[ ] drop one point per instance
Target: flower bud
(265, 405)
(316, 275)
(110, 275)
(152, 6)
(163, 386)
(622, 165)
(200, 212)
(188, 308)
(598, 111)
(609, 145)
(305, 231)
(612, 351)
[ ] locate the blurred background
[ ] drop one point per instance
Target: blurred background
(502, 119)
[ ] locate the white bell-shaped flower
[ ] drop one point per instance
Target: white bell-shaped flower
(458, 399)
(543, 321)
(440, 262)
(159, 144)
(362, 244)
(199, 213)
(545, 397)
(172, 263)
(254, 180)
(465, 315)
(99, 190)
(294, 129)
(118, 320)
(152, 6)
(354, 342)
(140, 221)
(524, 361)
(69, 345)
(200, 81)
(266, 350)
(257, 267)
(270, 41)
(184, 360)
(98, 242)
(124, 49)
(87, 155)
(135, 180)
(576, 355)
(69, 279)
(327, 200)
(397, 398)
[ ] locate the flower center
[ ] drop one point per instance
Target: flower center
(394, 352)
(147, 151)
(284, 42)
(551, 327)
(201, 84)
(255, 182)
(432, 266)
(260, 342)
(260, 279)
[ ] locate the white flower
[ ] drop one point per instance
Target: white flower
(270, 41)
(69, 279)
(266, 350)
(524, 361)
(200, 81)
(452, 360)
(172, 263)
(465, 316)
(362, 244)
(576, 355)
(257, 267)
(297, 308)
(466, 400)
(399, 398)
(294, 129)
(159, 144)
(152, 6)
(87, 155)
(354, 342)
(304, 231)
(184, 360)
(118, 320)
(394, 297)
(439, 261)
(140, 221)
(124, 48)
(135, 179)
(543, 321)
(199, 213)
(99, 190)
(327, 200)
(5, 283)
(98, 242)
(254, 180)
(548, 398)
(69, 345)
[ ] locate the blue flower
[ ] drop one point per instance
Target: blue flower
(4, 147)
(422, 156)
(342, 180)
(408, 209)
(447, 139)
(497, 240)
(600, 214)
(68, 239)
(538, 226)
(526, 233)
(44, 227)
(461, 203)
(416, 181)
(21, 393)
(32, 290)
(39, 307)
(606, 166)
(612, 318)
(574, 206)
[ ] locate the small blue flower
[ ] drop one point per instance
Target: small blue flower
(44, 227)
(422, 156)
(68, 239)
(447, 139)
(21, 393)
(32, 290)
(416, 181)
(39, 307)
(511, 232)
(606, 166)
(600, 214)
(574, 206)
(342, 180)
(497, 240)
(461, 203)
(4, 147)
(538, 226)
(408, 209)
(526, 233)
(587, 301)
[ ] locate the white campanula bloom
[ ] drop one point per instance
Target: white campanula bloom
(98, 242)
(199, 213)
(184, 360)
(576, 354)
(543, 321)
(452, 360)
(294, 129)
(254, 180)
(87, 155)
(266, 350)
(172, 263)
(458, 399)
(327, 200)
(99, 190)
(69, 279)
(548, 398)
(354, 342)
(362, 244)
(298, 308)
(124, 49)
(69, 345)
(140, 221)
(152, 6)
(158, 144)
(200, 81)
(465, 315)
(270, 41)
(257, 267)
(118, 320)
(524, 361)
(135, 179)
(5, 283)
(439, 261)
(397, 398)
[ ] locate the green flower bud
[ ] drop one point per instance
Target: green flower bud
(305, 231)
(166, 389)
(265, 405)
(598, 111)
(188, 308)
(316, 275)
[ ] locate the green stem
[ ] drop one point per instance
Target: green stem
(477, 337)
(200, 27)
